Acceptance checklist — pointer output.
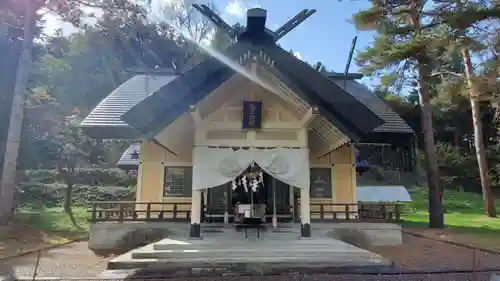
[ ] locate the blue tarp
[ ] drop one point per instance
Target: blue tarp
(361, 163)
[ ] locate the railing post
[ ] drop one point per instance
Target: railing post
(398, 211)
(148, 212)
(122, 210)
(94, 212)
(321, 212)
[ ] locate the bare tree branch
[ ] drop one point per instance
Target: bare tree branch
(441, 73)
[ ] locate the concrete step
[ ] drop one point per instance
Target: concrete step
(244, 246)
(246, 243)
(235, 254)
(264, 263)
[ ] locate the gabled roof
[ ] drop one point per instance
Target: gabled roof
(106, 116)
(158, 110)
(128, 161)
(134, 111)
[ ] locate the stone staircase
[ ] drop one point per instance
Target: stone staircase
(226, 249)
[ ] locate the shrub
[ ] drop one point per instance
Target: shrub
(458, 170)
(84, 194)
(36, 195)
(38, 189)
(114, 177)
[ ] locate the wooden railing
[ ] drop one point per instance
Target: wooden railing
(122, 211)
(356, 212)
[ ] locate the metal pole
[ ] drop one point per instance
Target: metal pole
(349, 59)
(35, 271)
(275, 219)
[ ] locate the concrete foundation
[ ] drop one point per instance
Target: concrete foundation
(130, 235)
(364, 234)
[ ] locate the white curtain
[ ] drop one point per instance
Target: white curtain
(215, 166)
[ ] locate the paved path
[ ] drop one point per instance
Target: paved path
(68, 261)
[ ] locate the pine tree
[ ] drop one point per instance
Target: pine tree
(411, 37)
(461, 19)
(405, 39)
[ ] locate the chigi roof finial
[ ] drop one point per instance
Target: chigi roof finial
(256, 23)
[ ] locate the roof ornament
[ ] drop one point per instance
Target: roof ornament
(256, 19)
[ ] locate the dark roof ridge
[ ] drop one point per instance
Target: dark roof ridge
(340, 75)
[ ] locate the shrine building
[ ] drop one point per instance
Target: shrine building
(252, 126)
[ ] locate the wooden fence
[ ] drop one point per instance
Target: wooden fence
(124, 211)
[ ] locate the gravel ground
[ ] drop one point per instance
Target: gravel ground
(71, 260)
(426, 254)
(75, 260)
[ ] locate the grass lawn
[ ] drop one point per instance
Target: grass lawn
(38, 229)
(55, 221)
(464, 218)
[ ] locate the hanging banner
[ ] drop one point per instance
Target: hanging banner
(252, 115)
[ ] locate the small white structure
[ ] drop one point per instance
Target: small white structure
(382, 193)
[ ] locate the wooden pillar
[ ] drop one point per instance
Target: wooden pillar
(227, 202)
(354, 184)
(196, 200)
(275, 218)
(305, 213)
(344, 177)
(150, 175)
(196, 196)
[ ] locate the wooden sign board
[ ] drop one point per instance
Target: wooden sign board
(252, 115)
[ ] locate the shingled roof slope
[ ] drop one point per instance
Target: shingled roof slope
(127, 160)
(393, 123)
(107, 114)
(334, 99)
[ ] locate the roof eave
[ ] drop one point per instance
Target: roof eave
(397, 139)
(283, 67)
(127, 167)
(342, 76)
(111, 132)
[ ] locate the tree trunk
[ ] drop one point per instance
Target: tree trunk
(456, 140)
(7, 184)
(68, 201)
(436, 210)
(488, 196)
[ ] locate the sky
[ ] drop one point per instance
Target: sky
(326, 36)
